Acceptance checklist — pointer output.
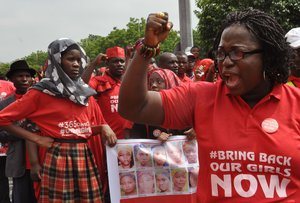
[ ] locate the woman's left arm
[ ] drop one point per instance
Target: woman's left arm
(107, 134)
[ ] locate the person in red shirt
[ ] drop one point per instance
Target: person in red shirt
(158, 80)
(191, 64)
(195, 50)
(205, 71)
(17, 165)
(182, 66)
(61, 104)
(247, 124)
(107, 87)
(169, 61)
(6, 89)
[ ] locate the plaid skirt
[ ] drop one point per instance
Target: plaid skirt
(70, 175)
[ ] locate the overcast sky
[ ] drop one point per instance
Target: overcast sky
(27, 26)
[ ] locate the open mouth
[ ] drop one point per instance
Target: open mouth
(231, 80)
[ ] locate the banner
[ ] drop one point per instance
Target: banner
(144, 170)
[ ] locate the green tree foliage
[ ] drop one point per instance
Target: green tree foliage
(134, 30)
(212, 12)
(3, 69)
(35, 60)
(95, 44)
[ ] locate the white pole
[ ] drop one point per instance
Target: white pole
(186, 33)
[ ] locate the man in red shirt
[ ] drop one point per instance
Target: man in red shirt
(191, 63)
(107, 87)
(196, 51)
(16, 164)
(182, 66)
(169, 61)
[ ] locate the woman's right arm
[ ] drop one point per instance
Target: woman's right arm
(25, 134)
(136, 103)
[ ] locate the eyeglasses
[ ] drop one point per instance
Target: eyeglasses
(235, 54)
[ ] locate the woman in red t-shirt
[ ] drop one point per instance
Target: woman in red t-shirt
(247, 124)
(62, 106)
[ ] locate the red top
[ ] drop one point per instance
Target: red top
(6, 88)
(246, 155)
(185, 79)
(56, 117)
(108, 99)
(197, 63)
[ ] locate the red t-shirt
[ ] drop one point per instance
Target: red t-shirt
(185, 79)
(6, 88)
(56, 117)
(197, 63)
(246, 155)
(108, 99)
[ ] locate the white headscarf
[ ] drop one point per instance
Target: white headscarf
(57, 82)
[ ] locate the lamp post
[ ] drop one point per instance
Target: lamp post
(186, 34)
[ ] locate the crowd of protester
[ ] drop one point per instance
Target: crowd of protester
(55, 123)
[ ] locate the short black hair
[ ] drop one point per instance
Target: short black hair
(195, 46)
(267, 30)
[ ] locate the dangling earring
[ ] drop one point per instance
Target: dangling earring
(264, 75)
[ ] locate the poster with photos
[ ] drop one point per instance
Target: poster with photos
(152, 170)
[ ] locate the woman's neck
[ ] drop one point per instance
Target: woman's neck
(259, 92)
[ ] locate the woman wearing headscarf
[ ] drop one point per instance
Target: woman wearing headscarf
(158, 80)
(167, 78)
(62, 106)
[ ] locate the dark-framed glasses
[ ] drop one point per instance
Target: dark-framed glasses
(235, 54)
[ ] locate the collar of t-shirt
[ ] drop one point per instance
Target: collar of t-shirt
(18, 96)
